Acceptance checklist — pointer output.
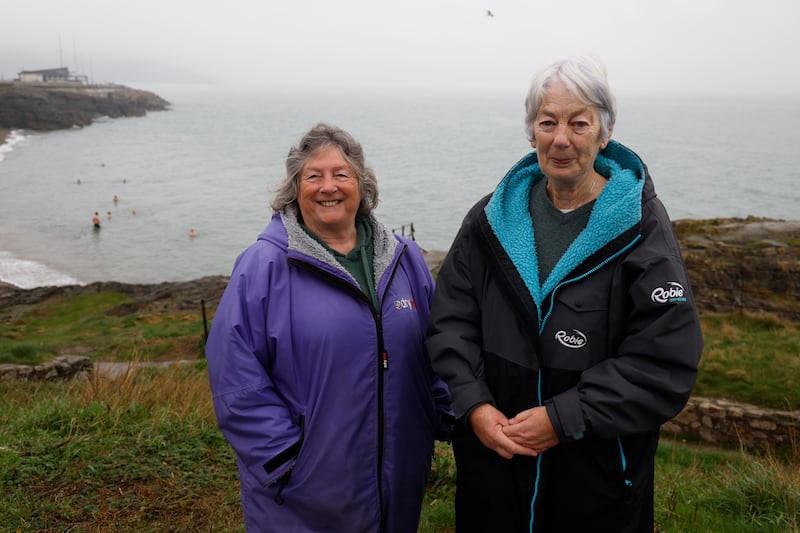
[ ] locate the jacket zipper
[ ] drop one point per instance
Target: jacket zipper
(383, 366)
(626, 479)
(543, 321)
(383, 355)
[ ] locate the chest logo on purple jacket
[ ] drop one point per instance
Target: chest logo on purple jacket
(576, 339)
(405, 303)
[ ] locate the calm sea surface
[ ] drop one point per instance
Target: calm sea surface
(213, 160)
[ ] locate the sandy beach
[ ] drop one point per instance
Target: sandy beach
(3, 135)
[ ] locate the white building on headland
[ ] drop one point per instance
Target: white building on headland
(51, 75)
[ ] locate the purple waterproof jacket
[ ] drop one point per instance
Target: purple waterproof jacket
(331, 405)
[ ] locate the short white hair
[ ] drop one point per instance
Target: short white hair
(585, 78)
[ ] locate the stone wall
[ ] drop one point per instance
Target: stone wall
(721, 422)
(59, 369)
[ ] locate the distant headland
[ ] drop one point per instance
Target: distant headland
(54, 99)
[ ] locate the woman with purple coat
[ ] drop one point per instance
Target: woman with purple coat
(316, 361)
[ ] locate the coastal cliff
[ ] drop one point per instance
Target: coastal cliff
(50, 106)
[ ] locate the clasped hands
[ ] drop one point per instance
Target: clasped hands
(529, 433)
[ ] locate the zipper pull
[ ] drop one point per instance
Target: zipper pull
(385, 359)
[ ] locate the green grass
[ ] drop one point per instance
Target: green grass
(706, 489)
(751, 358)
(143, 453)
(98, 326)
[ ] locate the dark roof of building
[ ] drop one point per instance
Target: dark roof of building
(54, 71)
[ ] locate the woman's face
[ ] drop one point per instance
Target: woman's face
(567, 137)
(328, 193)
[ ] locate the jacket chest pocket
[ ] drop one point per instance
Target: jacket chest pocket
(576, 334)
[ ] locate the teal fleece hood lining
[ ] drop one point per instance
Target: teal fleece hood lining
(617, 209)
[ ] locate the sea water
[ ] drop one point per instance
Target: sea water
(212, 161)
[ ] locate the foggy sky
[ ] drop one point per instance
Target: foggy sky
(709, 46)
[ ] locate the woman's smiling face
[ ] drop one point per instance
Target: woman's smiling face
(328, 193)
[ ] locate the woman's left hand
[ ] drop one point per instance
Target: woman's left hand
(532, 429)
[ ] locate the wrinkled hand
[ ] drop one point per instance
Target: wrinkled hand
(488, 424)
(532, 429)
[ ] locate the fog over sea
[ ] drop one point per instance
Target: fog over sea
(212, 162)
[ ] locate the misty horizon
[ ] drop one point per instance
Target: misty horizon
(648, 47)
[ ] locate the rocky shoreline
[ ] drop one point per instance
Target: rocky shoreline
(157, 297)
(748, 264)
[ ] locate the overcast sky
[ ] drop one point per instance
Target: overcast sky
(648, 46)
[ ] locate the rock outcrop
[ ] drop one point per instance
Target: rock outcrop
(750, 264)
(49, 106)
